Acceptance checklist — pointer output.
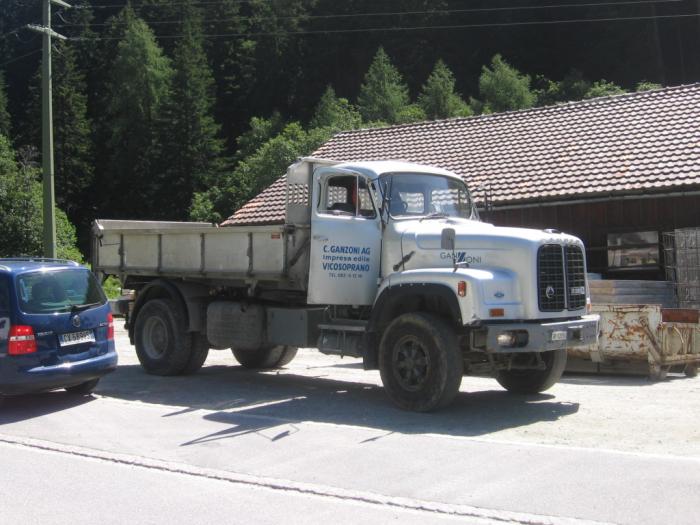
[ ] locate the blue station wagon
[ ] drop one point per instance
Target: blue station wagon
(56, 327)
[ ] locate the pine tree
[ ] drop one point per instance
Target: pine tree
(73, 148)
(4, 115)
(438, 97)
(383, 95)
(138, 90)
(192, 149)
(504, 88)
(335, 113)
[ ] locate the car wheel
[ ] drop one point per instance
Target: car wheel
(83, 389)
(162, 344)
(691, 370)
(534, 381)
(265, 358)
(420, 362)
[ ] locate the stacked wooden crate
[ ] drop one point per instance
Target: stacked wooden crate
(617, 291)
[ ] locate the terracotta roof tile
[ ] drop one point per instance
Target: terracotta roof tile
(636, 142)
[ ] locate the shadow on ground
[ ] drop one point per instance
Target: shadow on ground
(20, 408)
(246, 401)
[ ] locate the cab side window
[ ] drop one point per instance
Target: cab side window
(347, 195)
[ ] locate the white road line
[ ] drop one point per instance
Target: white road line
(308, 489)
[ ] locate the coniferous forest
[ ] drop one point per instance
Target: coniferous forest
(185, 109)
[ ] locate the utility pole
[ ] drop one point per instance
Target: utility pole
(47, 127)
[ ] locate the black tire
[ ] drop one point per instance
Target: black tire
(83, 389)
(162, 344)
(691, 370)
(534, 381)
(265, 358)
(420, 362)
(198, 354)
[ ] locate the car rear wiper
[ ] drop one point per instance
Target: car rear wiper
(75, 308)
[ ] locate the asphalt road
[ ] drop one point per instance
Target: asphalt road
(320, 442)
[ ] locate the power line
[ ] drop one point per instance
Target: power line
(411, 13)
(20, 57)
(419, 28)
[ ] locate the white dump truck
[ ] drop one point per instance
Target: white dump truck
(383, 261)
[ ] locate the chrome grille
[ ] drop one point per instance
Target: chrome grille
(575, 277)
(550, 278)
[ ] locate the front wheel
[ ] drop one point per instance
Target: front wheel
(270, 357)
(533, 381)
(420, 362)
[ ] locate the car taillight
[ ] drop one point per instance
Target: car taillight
(110, 327)
(22, 340)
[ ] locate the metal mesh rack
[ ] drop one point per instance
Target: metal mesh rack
(682, 263)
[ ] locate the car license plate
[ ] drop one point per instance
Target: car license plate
(559, 335)
(76, 338)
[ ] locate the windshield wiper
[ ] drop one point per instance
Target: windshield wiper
(435, 215)
(75, 308)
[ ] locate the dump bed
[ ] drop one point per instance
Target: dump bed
(203, 251)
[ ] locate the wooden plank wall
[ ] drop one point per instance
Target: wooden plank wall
(593, 221)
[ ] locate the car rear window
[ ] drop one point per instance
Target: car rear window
(58, 291)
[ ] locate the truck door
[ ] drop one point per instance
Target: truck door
(345, 239)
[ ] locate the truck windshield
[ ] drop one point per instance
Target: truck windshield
(58, 291)
(426, 195)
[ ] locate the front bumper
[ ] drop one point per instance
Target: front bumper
(543, 337)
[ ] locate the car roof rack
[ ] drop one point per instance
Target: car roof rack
(39, 259)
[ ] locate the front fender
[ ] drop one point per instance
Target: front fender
(486, 290)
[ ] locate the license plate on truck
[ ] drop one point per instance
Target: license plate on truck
(559, 335)
(76, 338)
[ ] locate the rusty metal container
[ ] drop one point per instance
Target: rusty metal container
(642, 338)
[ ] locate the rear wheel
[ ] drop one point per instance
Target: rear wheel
(533, 381)
(83, 389)
(269, 357)
(420, 362)
(691, 370)
(162, 345)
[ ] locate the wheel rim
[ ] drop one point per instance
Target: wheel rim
(155, 340)
(411, 363)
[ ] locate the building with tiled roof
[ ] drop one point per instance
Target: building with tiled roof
(592, 167)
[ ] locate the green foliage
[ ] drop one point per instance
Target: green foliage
(192, 149)
(504, 88)
(383, 95)
(647, 86)
(261, 130)
(256, 172)
(572, 87)
(4, 115)
(438, 97)
(335, 113)
(139, 91)
(73, 147)
(603, 88)
(112, 287)
(21, 212)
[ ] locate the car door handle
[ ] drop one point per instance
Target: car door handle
(321, 238)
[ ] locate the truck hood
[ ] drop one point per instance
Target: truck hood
(477, 244)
